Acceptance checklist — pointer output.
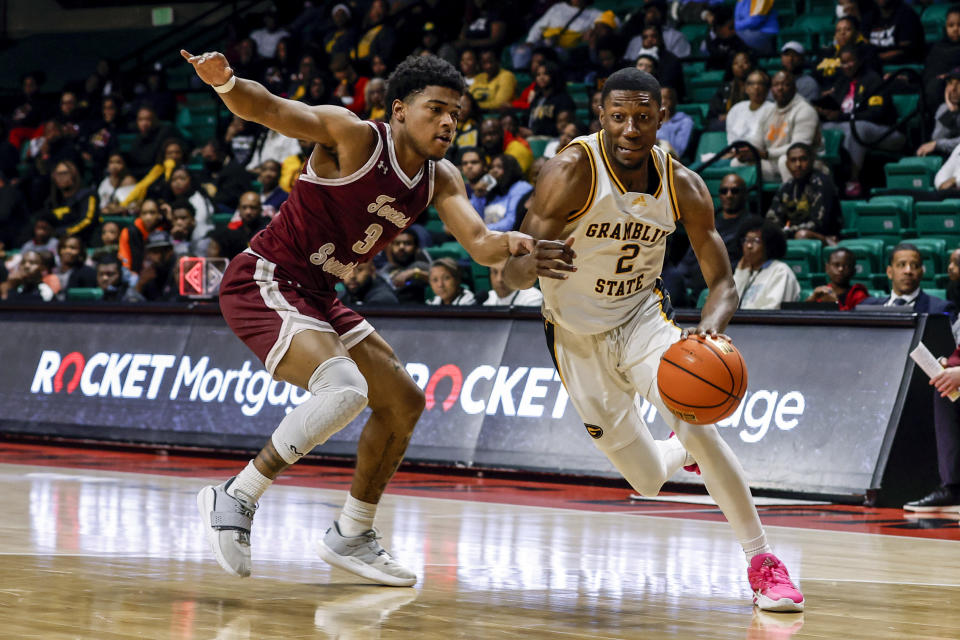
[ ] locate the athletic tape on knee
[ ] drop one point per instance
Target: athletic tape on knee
(339, 395)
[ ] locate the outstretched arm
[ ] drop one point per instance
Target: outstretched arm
(562, 189)
(487, 247)
(696, 214)
(250, 100)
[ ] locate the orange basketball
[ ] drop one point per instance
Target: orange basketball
(702, 380)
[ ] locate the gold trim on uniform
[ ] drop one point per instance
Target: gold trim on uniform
(593, 183)
(653, 159)
(606, 163)
(616, 180)
(663, 314)
(673, 189)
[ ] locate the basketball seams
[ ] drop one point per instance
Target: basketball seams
(719, 356)
(701, 379)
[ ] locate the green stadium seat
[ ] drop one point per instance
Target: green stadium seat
(481, 277)
(933, 18)
(804, 257)
(221, 219)
(934, 281)
(848, 209)
(694, 31)
(702, 85)
(538, 144)
(906, 104)
(832, 139)
(85, 293)
(697, 111)
(869, 253)
(937, 293)
(939, 219)
(711, 142)
(713, 176)
(934, 252)
(125, 141)
(912, 172)
(901, 205)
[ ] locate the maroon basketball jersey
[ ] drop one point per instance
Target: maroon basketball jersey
(329, 225)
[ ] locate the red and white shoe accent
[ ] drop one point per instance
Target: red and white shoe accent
(692, 468)
(772, 588)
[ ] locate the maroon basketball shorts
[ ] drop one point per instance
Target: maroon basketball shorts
(266, 311)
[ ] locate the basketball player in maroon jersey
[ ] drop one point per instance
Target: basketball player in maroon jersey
(362, 185)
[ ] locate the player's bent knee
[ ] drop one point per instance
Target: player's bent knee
(339, 395)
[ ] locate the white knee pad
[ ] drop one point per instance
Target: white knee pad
(339, 395)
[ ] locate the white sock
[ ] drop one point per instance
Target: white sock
(673, 454)
(756, 546)
(356, 517)
(250, 482)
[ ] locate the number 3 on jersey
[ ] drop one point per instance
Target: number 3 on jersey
(630, 252)
(373, 234)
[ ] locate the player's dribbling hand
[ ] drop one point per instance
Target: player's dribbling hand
(212, 67)
(704, 332)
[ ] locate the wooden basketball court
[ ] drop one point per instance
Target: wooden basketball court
(109, 545)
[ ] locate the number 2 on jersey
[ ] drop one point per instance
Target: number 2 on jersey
(630, 252)
(373, 234)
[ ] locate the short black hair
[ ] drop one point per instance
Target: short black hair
(416, 73)
(904, 246)
(801, 145)
(183, 203)
(462, 151)
(846, 250)
(774, 240)
(106, 259)
(631, 79)
(71, 236)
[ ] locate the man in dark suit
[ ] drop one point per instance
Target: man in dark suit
(905, 272)
(946, 422)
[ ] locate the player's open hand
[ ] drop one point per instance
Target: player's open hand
(212, 67)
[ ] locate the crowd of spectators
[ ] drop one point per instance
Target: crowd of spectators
(104, 185)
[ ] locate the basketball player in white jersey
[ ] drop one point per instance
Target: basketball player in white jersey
(615, 197)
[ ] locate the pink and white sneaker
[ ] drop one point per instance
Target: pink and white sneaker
(771, 585)
(692, 468)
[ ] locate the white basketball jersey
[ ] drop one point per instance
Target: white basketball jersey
(620, 240)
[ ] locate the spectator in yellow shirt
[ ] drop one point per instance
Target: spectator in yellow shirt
(494, 87)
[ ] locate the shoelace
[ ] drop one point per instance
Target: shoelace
(372, 536)
(773, 574)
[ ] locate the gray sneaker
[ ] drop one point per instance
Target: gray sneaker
(364, 556)
(227, 521)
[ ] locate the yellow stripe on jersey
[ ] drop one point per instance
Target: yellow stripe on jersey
(606, 162)
(673, 189)
(593, 184)
(653, 159)
(663, 314)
